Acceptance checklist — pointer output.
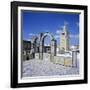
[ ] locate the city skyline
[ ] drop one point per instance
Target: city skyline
(36, 22)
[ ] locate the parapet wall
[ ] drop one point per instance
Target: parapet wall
(66, 61)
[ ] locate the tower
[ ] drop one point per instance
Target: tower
(64, 39)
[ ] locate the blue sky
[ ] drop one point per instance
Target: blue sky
(36, 22)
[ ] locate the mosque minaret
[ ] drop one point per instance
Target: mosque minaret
(64, 39)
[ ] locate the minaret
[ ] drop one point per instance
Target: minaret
(64, 39)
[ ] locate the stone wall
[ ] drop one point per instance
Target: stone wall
(59, 60)
(66, 61)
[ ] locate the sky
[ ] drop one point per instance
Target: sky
(35, 22)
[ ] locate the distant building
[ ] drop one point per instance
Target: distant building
(26, 49)
(64, 39)
(47, 49)
(26, 45)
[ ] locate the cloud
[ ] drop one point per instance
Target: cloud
(31, 34)
(58, 32)
(46, 30)
(46, 44)
(27, 39)
(57, 36)
(76, 36)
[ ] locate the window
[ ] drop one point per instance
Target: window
(63, 33)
